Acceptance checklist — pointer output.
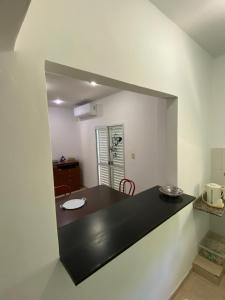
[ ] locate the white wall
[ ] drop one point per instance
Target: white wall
(217, 134)
(217, 107)
(27, 247)
(64, 133)
(131, 41)
(218, 165)
(144, 120)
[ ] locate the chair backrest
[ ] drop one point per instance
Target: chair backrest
(131, 185)
(62, 189)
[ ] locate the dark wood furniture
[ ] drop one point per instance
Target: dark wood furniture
(97, 198)
(88, 244)
(66, 173)
(63, 190)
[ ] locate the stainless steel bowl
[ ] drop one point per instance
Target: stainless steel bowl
(171, 190)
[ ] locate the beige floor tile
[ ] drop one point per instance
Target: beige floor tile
(196, 287)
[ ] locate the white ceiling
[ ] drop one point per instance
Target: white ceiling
(12, 13)
(203, 20)
(73, 91)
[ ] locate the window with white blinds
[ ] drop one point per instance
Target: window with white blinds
(110, 155)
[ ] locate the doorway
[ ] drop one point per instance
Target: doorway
(110, 155)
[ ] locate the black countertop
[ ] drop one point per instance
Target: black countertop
(89, 243)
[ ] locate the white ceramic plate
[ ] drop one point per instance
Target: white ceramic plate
(74, 203)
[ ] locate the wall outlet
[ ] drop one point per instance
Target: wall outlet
(133, 155)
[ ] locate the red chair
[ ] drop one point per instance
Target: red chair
(62, 189)
(131, 184)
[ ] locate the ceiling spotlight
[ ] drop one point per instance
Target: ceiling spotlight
(93, 83)
(58, 101)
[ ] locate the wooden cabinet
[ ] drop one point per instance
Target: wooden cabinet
(67, 173)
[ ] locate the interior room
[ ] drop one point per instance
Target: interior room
(80, 112)
(112, 150)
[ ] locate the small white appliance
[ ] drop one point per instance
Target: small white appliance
(85, 111)
(214, 195)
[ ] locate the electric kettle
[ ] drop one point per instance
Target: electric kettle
(214, 195)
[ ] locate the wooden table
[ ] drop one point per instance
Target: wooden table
(98, 197)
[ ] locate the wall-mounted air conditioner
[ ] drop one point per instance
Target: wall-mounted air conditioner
(85, 111)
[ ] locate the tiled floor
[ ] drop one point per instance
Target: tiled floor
(195, 287)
